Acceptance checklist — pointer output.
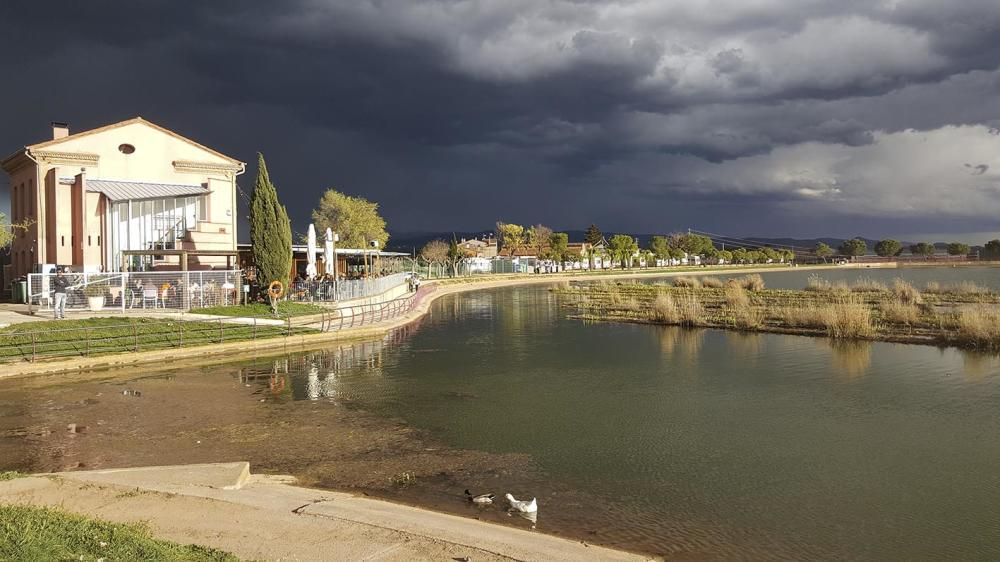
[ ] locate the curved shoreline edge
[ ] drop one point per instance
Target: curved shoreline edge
(271, 347)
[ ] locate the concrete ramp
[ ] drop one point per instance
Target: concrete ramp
(219, 476)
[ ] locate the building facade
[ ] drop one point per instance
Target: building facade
(95, 200)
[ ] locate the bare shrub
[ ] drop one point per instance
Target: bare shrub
(906, 292)
(687, 282)
(933, 287)
(711, 283)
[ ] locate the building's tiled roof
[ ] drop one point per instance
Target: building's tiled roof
(125, 190)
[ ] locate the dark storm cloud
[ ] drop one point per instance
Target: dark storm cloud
(647, 114)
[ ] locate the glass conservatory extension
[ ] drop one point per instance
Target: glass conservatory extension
(149, 224)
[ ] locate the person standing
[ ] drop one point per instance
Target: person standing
(59, 286)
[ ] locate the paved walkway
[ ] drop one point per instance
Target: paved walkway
(266, 518)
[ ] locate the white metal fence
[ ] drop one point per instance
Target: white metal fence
(152, 290)
(328, 291)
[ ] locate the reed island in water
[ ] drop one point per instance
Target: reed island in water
(962, 314)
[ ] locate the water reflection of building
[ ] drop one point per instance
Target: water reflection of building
(318, 374)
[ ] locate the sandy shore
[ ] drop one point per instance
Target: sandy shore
(267, 518)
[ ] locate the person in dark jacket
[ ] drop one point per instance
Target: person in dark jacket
(59, 285)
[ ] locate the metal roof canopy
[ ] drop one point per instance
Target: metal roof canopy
(184, 254)
(134, 190)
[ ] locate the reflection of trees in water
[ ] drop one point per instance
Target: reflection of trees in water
(745, 346)
(684, 343)
(978, 366)
(851, 359)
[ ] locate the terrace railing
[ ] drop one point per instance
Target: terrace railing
(344, 290)
(176, 291)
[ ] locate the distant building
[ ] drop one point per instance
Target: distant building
(480, 248)
(98, 199)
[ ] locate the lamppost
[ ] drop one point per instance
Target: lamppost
(335, 238)
(374, 244)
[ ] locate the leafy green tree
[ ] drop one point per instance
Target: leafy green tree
(622, 247)
(726, 256)
(822, 251)
(695, 244)
(677, 254)
(739, 255)
(592, 237)
(770, 254)
(854, 247)
(270, 230)
(958, 249)
(559, 243)
(923, 249)
(511, 237)
(6, 232)
(991, 250)
(659, 247)
(889, 247)
(355, 219)
(786, 256)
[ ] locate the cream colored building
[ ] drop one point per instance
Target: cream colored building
(130, 186)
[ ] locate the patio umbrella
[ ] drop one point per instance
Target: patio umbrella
(311, 253)
(328, 253)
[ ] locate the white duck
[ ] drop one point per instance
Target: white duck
(522, 506)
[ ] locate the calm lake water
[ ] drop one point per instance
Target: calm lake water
(701, 443)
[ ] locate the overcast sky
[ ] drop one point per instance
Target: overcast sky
(744, 117)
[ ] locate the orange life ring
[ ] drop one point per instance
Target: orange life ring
(276, 289)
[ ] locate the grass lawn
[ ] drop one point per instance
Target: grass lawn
(96, 336)
(286, 309)
(33, 533)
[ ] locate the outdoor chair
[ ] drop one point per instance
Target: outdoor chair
(150, 294)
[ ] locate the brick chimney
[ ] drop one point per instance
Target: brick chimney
(59, 130)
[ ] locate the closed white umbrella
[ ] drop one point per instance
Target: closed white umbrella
(311, 253)
(328, 253)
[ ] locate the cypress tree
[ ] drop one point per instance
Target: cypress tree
(270, 231)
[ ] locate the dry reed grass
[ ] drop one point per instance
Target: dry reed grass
(979, 327)
(752, 282)
(687, 282)
(961, 288)
(868, 285)
(691, 312)
(712, 283)
(900, 313)
(664, 309)
(905, 292)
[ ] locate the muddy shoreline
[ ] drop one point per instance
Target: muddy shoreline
(52, 424)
